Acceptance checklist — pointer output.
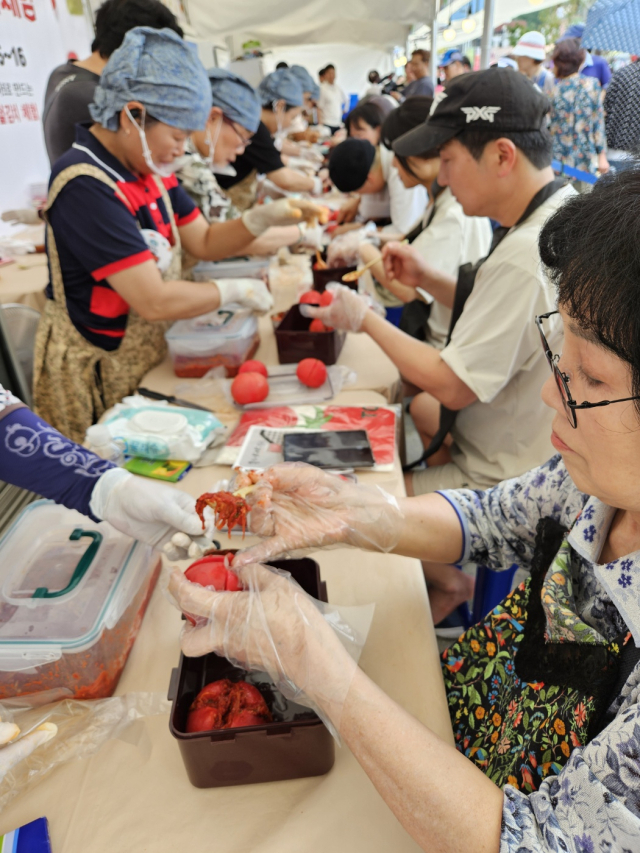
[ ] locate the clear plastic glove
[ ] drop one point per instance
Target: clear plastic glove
(311, 237)
(286, 211)
(248, 292)
(307, 649)
(298, 507)
(149, 511)
(347, 311)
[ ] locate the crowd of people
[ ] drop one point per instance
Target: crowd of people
(514, 283)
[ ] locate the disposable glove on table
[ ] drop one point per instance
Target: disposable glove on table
(286, 211)
(347, 311)
(247, 292)
(152, 512)
(297, 507)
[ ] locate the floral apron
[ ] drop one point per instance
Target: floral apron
(532, 681)
(75, 382)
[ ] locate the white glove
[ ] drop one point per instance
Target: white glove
(347, 311)
(248, 292)
(286, 211)
(151, 512)
(302, 165)
(24, 216)
(311, 236)
(318, 186)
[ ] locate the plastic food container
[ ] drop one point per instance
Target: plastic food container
(72, 597)
(296, 744)
(321, 278)
(295, 341)
(240, 268)
(222, 338)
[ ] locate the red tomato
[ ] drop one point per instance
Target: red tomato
(225, 705)
(253, 366)
(311, 372)
(311, 297)
(317, 326)
(326, 298)
(211, 571)
(249, 388)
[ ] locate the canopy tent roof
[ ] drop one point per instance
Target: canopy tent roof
(613, 25)
(375, 23)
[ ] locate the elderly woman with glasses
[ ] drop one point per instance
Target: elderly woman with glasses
(544, 691)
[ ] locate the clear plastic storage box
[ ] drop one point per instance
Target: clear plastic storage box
(223, 338)
(72, 597)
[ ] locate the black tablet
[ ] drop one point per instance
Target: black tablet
(331, 449)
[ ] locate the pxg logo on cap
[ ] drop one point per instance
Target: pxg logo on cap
(495, 100)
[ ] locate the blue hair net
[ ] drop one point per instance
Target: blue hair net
(235, 97)
(163, 72)
(281, 85)
(306, 80)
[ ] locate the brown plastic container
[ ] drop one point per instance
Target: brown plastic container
(295, 341)
(321, 278)
(296, 744)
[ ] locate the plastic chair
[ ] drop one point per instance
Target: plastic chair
(21, 323)
(491, 588)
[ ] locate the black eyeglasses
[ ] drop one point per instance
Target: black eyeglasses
(562, 380)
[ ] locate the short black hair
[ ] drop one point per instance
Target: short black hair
(115, 18)
(536, 145)
(425, 55)
(567, 57)
(281, 65)
(413, 112)
(329, 67)
(589, 248)
(367, 112)
(466, 62)
(374, 77)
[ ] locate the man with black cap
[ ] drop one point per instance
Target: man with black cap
(356, 166)
(483, 388)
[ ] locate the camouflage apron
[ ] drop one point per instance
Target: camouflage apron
(75, 381)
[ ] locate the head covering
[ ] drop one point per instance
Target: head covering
(350, 164)
(281, 85)
(452, 55)
(507, 62)
(531, 44)
(574, 32)
(163, 72)
(493, 100)
(306, 80)
(235, 97)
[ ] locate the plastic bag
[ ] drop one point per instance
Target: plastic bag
(82, 727)
(273, 626)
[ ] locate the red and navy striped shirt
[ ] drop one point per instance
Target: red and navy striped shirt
(97, 235)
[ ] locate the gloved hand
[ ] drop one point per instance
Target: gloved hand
(24, 216)
(298, 506)
(248, 292)
(149, 511)
(273, 626)
(318, 186)
(347, 311)
(286, 211)
(302, 165)
(311, 236)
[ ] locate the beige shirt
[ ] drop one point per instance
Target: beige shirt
(451, 240)
(496, 351)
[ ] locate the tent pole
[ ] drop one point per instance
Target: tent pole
(433, 64)
(487, 33)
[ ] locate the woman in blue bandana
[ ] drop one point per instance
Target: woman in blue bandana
(232, 122)
(117, 220)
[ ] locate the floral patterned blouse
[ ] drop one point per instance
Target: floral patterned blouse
(576, 122)
(196, 177)
(593, 804)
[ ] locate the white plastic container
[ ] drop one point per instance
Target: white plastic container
(223, 338)
(72, 597)
(238, 268)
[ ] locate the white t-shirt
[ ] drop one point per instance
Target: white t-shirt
(451, 240)
(332, 102)
(404, 207)
(495, 349)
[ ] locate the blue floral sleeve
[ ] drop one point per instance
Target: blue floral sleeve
(499, 524)
(592, 805)
(35, 456)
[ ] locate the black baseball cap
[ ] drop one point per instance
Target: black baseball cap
(492, 100)
(350, 164)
